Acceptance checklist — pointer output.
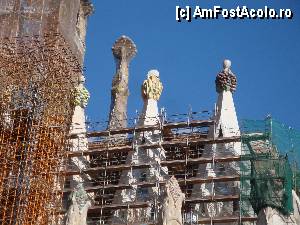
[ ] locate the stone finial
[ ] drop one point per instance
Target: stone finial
(152, 86)
(81, 94)
(226, 64)
(172, 203)
(124, 48)
(226, 79)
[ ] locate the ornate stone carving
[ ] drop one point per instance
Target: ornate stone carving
(124, 48)
(152, 87)
(81, 94)
(172, 203)
(226, 80)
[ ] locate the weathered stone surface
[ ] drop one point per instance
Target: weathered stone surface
(172, 203)
(296, 206)
(270, 216)
(47, 17)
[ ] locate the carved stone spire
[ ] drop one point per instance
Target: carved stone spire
(123, 50)
(226, 125)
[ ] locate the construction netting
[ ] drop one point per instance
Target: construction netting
(269, 167)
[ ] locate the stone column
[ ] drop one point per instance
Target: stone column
(123, 50)
(151, 91)
(79, 201)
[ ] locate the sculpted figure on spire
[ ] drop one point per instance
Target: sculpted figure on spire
(81, 94)
(152, 87)
(226, 79)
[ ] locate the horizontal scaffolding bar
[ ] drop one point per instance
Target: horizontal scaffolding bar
(194, 180)
(132, 205)
(216, 198)
(108, 168)
(122, 167)
(216, 220)
(130, 130)
(225, 219)
(96, 149)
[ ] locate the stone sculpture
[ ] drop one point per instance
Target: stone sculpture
(81, 94)
(172, 203)
(152, 87)
(77, 212)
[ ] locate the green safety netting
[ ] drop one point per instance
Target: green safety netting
(296, 181)
(271, 185)
(269, 167)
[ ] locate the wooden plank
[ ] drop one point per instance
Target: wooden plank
(225, 219)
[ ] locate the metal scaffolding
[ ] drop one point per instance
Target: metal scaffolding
(37, 76)
(183, 137)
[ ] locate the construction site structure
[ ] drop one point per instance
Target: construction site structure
(194, 168)
(41, 56)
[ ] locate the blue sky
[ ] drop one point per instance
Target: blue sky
(264, 55)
